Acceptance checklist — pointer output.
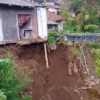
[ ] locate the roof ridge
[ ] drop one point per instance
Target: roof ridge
(17, 3)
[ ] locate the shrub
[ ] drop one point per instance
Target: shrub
(51, 38)
(98, 71)
(94, 45)
(10, 82)
(96, 54)
(26, 97)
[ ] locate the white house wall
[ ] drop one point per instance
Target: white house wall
(42, 22)
(60, 26)
(1, 33)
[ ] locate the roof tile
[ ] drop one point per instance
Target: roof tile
(54, 17)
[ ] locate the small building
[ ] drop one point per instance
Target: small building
(52, 5)
(55, 22)
(54, 8)
(22, 21)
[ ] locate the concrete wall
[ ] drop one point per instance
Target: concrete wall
(10, 22)
(35, 25)
(52, 28)
(1, 33)
(60, 26)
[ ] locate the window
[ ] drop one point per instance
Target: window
(25, 26)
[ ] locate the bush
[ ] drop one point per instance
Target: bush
(51, 38)
(26, 97)
(96, 54)
(9, 80)
(98, 71)
(94, 45)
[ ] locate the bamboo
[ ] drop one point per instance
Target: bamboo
(46, 56)
(86, 66)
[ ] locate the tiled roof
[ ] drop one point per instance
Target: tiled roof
(16, 3)
(53, 17)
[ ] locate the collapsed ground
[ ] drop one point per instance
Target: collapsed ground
(54, 83)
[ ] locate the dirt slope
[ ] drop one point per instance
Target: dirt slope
(52, 84)
(55, 83)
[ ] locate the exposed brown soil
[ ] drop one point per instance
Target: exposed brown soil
(52, 84)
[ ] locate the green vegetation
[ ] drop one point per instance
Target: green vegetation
(10, 82)
(51, 38)
(51, 35)
(96, 54)
(82, 16)
(2, 96)
(98, 71)
(94, 45)
(26, 97)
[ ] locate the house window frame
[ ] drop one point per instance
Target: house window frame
(17, 23)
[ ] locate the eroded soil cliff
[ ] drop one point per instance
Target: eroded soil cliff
(54, 83)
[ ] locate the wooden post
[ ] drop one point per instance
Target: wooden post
(46, 56)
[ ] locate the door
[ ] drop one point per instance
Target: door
(1, 33)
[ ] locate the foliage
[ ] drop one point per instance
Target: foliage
(96, 54)
(98, 71)
(69, 24)
(92, 22)
(77, 4)
(84, 16)
(75, 49)
(51, 38)
(94, 45)
(2, 96)
(10, 82)
(26, 97)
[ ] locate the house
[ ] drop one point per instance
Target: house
(21, 20)
(52, 5)
(55, 22)
(54, 8)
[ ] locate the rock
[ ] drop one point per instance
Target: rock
(69, 43)
(70, 68)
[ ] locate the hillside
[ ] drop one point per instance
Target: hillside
(55, 83)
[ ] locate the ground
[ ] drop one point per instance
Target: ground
(53, 83)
